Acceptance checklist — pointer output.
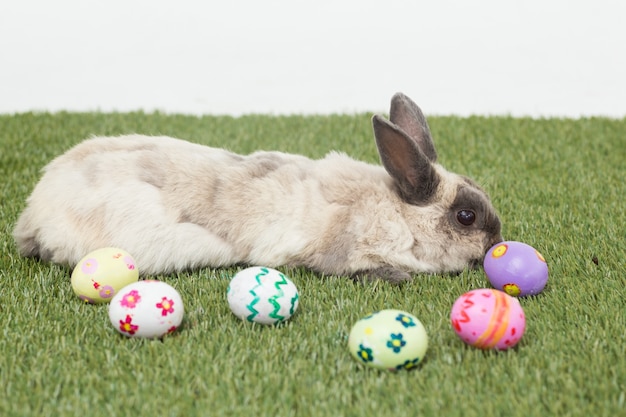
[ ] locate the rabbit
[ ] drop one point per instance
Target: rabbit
(178, 206)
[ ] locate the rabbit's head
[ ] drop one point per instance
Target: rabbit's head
(451, 218)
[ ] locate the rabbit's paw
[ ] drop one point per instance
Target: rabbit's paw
(386, 273)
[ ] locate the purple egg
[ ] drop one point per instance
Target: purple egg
(516, 268)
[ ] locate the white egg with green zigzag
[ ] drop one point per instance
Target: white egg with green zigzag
(262, 295)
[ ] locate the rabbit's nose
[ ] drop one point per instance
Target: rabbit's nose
(494, 241)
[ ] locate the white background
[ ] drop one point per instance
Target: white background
(527, 57)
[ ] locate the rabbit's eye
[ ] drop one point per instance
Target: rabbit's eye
(466, 217)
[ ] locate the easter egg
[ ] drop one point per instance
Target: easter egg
(389, 340)
(100, 274)
(488, 319)
(262, 295)
(148, 309)
(516, 268)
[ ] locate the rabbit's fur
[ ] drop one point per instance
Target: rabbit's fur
(176, 205)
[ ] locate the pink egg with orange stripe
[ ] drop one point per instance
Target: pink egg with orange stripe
(488, 319)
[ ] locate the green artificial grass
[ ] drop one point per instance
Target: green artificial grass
(558, 185)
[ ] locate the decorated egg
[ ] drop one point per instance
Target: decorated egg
(262, 295)
(388, 339)
(516, 268)
(148, 309)
(99, 275)
(488, 319)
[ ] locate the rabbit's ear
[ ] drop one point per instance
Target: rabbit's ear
(409, 117)
(405, 162)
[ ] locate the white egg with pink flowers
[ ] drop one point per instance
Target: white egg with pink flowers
(146, 309)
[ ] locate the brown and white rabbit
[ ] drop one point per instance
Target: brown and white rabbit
(175, 205)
